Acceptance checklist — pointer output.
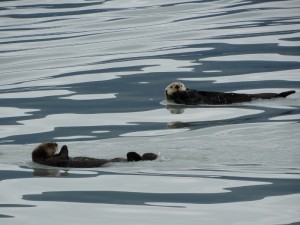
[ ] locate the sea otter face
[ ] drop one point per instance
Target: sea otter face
(173, 88)
(50, 148)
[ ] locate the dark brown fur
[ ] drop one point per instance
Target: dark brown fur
(194, 97)
(45, 154)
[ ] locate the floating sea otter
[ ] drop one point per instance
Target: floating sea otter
(177, 93)
(45, 154)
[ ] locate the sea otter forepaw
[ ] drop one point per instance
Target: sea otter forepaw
(64, 152)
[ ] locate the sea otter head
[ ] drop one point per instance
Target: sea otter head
(173, 88)
(45, 150)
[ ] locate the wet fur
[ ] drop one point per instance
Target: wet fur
(45, 154)
(177, 92)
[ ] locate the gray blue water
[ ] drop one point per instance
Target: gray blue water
(92, 74)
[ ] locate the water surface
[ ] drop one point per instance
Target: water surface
(92, 74)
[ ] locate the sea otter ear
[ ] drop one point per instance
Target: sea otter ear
(133, 156)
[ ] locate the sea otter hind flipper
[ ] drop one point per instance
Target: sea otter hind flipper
(286, 93)
(133, 156)
(149, 156)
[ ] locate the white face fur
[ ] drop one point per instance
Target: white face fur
(175, 87)
(51, 148)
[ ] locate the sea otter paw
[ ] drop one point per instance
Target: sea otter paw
(64, 153)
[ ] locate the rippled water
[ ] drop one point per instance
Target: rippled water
(92, 74)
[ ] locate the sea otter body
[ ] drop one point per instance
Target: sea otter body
(45, 154)
(177, 93)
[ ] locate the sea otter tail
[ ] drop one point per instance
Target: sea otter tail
(285, 94)
(272, 95)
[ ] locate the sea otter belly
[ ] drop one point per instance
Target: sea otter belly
(87, 162)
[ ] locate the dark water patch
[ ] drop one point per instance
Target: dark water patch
(58, 14)
(279, 187)
(259, 34)
(51, 36)
(132, 69)
(231, 10)
(297, 39)
(228, 10)
(61, 132)
(221, 49)
(47, 39)
(11, 174)
(16, 29)
(71, 12)
(243, 164)
(71, 172)
(25, 27)
(47, 172)
(62, 173)
(14, 120)
(2, 216)
(14, 205)
(181, 3)
(296, 223)
(62, 5)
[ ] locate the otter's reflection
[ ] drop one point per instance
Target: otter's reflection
(49, 172)
(176, 109)
(178, 124)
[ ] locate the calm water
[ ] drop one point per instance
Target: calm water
(92, 74)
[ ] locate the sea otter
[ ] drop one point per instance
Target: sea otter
(45, 154)
(176, 92)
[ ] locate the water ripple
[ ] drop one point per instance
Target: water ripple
(116, 57)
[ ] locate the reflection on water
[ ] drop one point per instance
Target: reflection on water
(49, 172)
(176, 109)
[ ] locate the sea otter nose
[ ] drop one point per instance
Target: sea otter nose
(177, 86)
